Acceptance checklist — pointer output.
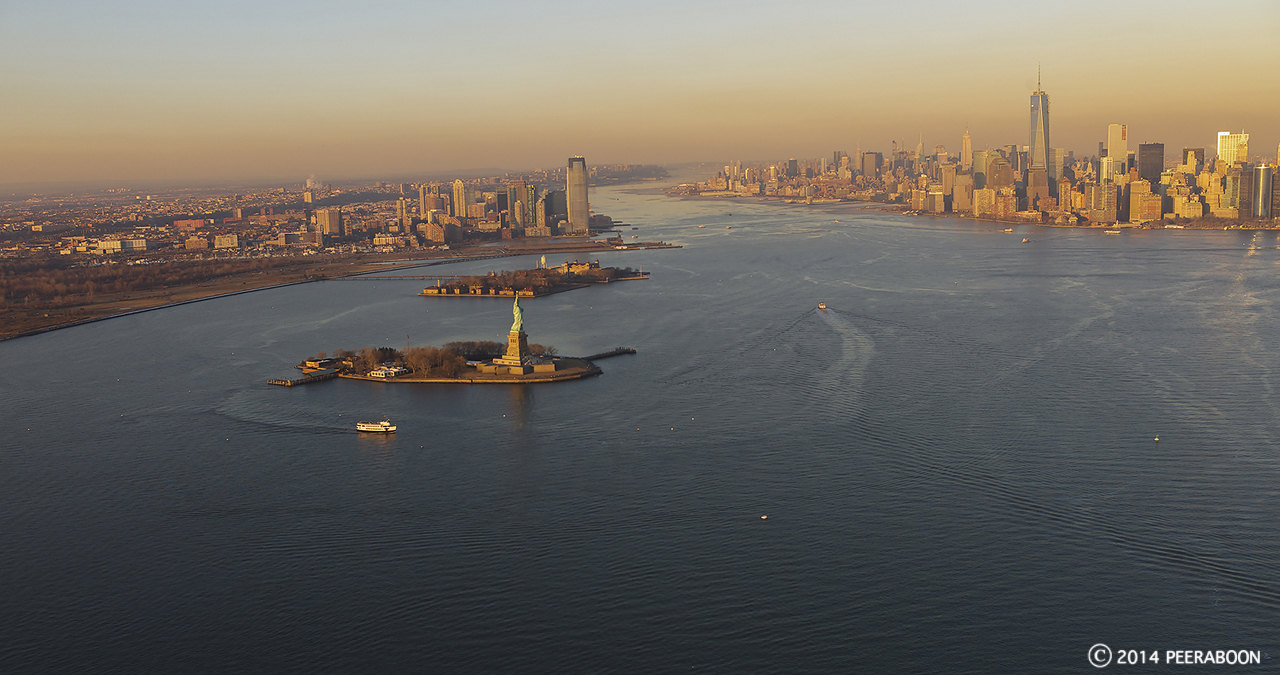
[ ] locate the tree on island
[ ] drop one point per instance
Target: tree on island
(372, 358)
(483, 351)
(432, 361)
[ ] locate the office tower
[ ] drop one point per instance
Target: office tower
(540, 212)
(1199, 155)
(531, 203)
(966, 151)
(1238, 191)
(518, 202)
(1102, 202)
(999, 173)
(404, 189)
(1038, 189)
(422, 200)
(1150, 162)
(1057, 159)
(1233, 148)
(792, 169)
(1144, 205)
(962, 194)
(871, 163)
(329, 221)
(979, 167)
(947, 176)
(576, 193)
(1262, 178)
(1117, 150)
(404, 213)
(1275, 194)
(1039, 146)
(462, 198)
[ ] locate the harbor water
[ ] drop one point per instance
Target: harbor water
(951, 469)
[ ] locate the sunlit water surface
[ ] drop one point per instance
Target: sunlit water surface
(956, 460)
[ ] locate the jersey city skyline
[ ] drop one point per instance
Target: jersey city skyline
(142, 91)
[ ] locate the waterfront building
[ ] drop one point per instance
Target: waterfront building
(984, 202)
(966, 150)
(1006, 202)
(1263, 176)
(1238, 191)
(1275, 195)
(1102, 202)
(1233, 148)
(579, 210)
(1150, 162)
(935, 199)
(962, 194)
(1144, 205)
(1188, 206)
(1039, 146)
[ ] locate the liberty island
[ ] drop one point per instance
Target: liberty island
(519, 363)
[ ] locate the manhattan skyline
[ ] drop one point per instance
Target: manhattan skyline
(138, 91)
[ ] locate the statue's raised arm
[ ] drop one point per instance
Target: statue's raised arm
(517, 325)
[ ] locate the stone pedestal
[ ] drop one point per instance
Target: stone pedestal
(517, 351)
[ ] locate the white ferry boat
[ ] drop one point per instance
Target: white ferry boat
(384, 427)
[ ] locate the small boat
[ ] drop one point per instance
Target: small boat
(702, 227)
(1111, 231)
(822, 305)
(1026, 240)
(1009, 229)
(383, 427)
(728, 227)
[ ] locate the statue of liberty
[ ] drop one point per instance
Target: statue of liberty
(517, 326)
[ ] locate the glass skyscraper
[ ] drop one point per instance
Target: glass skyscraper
(1039, 147)
(576, 188)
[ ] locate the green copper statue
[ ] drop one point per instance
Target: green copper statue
(518, 325)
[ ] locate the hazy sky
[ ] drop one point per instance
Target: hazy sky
(237, 90)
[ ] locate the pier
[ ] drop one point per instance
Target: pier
(618, 351)
(317, 376)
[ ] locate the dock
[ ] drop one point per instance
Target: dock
(317, 376)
